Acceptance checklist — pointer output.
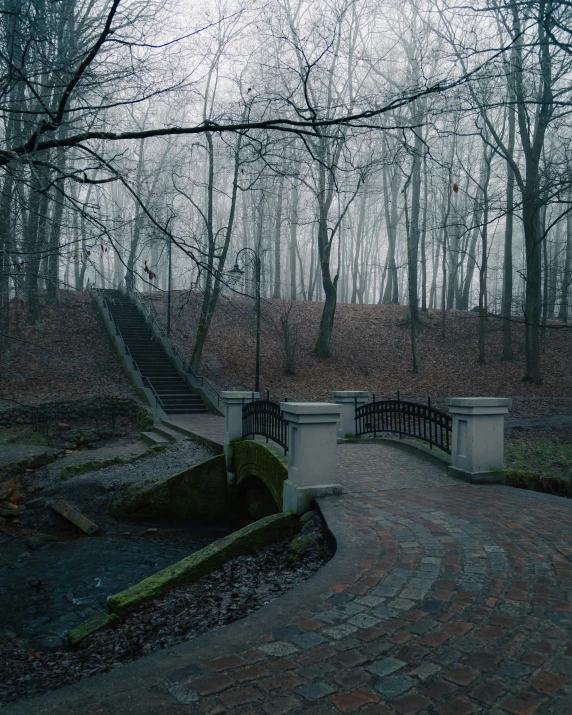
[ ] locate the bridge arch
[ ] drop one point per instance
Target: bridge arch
(258, 466)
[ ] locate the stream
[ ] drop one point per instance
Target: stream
(45, 593)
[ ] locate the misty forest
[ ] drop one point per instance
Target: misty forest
(412, 154)
(285, 357)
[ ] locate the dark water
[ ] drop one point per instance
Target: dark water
(46, 593)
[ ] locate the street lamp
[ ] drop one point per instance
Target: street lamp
(237, 272)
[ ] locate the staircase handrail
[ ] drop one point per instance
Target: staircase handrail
(155, 393)
(186, 366)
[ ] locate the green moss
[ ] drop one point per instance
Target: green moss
(192, 568)
(546, 483)
(303, 543)
(541, 457)
(93, 464)
(38, 439)
(72, 469)
(251, 458)
(97, 622)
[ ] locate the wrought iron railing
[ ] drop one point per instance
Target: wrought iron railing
(407, 419)
(264, 418)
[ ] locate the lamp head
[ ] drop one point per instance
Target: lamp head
(236, 272)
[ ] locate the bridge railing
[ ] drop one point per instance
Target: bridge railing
(407, 419)
(264, 418)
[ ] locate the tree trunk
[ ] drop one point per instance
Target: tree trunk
(391, 294)
(506, 310)
(214, 282)
(484, 260)
(423, 238)
(277, 268)
(567, 274)
(293, 238)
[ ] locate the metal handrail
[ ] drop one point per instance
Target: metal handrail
(175, 349)
(265, 418)
(154, 391)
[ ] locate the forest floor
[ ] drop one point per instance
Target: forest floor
(70, 355)
(371, 350)
(67, 356)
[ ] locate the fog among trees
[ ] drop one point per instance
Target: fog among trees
(413, 153)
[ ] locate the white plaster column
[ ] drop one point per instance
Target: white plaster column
(312, 453)
(234, 402)
(477, 449)
(348, 401)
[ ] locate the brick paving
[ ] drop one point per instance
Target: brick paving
(459, 602)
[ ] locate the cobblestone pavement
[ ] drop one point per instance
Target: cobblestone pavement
(459, 602)
(374, 467)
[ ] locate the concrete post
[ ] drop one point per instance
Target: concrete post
(477, 449)
(348, 401)
(312, 458)
(234, 402)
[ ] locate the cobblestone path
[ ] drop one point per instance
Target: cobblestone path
(456, 599)
(375, 467)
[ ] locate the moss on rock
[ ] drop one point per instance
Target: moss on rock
(304, 543)
(251, 458)
(97, 622)
(90, 466)
(193, 567)
(199, 494)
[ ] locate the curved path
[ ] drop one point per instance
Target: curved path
(443, 597)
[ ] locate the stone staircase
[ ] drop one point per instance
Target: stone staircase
(174, 394)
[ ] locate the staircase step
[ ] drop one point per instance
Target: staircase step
(153, 437)
(153, 363)
(179, 411)
(167, 432)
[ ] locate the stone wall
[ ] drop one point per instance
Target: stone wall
(92, 409)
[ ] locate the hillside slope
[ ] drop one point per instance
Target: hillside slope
(68, 356)
(371, 350)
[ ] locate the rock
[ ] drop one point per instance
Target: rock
(97, 622)
(151, 531)
(35, 503)
(308, 516)
(303, 543)
(63, 426)
(309, 525)
(38, 540)
(8, 505)
(51, 643)
(245, 541)
(10, 513)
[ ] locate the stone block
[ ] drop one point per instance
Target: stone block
(478, 435)
(348, 401)
(193, 567)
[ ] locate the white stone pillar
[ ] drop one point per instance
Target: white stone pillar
(312, 453)
(234, 402)
(348, 401)
(477, 449)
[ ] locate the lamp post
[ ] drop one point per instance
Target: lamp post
(236, 272)
(169, 290)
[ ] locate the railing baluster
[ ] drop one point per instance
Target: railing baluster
(405, 419)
